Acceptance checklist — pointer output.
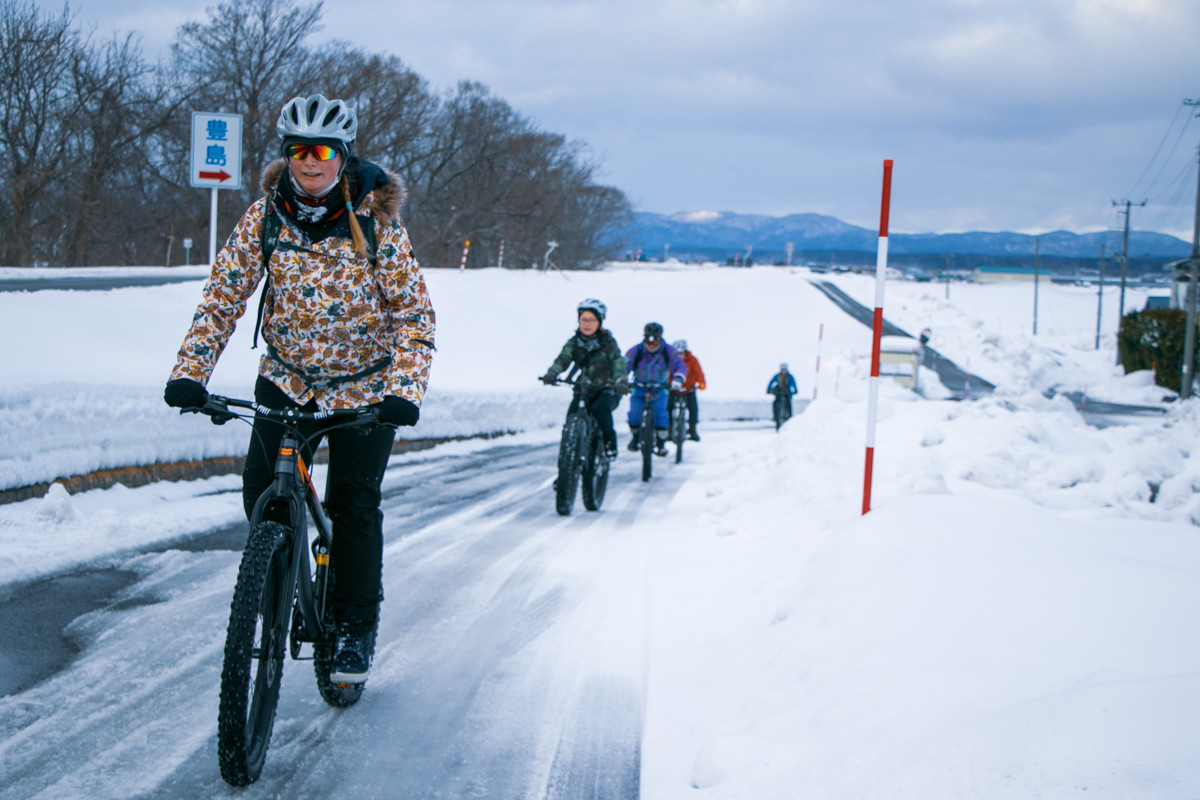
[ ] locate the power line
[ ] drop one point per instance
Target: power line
(1170, 205)
(1168, 159)
(1178, 112)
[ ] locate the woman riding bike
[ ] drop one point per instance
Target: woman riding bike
(598, 359)
(347, 323)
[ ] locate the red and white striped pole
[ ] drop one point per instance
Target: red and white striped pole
(820, 336)
(877, 332)
(500, 263)
(463, 264)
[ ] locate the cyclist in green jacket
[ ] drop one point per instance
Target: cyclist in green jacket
(598, 359)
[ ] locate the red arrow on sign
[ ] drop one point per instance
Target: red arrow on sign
(220, 176)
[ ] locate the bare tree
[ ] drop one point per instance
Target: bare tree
(119, 103)
(36, 54)
(247, 60)
(394, 105)
(490, 176)
(99, 142)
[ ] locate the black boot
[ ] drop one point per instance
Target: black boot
(352, 654)
(633, 443)
(695, 437)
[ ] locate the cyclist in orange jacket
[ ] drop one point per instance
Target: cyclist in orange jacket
(693, 382)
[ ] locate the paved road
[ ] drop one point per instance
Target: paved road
(83, 283)
(512, 657)
(962, 384)
(958, 381)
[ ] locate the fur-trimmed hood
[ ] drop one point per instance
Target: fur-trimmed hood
(384, 202)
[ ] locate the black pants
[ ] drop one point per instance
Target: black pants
(601, 405)
(693, 409)
(352, 496)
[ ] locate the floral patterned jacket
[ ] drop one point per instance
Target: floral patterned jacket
(337, 328)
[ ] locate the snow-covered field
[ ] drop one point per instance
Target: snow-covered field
(1015, 617)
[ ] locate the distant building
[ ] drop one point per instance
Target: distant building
(1003, 274)
(1181, 276)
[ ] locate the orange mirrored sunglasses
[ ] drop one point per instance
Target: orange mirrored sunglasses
(322, 152)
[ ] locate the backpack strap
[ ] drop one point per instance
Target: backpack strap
(271, 226)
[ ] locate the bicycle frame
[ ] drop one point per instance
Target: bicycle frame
(587, 459)
(275, 605)
(294, 485)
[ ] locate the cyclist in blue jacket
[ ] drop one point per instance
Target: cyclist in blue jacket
(783, 386)
(656, 364)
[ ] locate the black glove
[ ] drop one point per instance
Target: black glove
(621, 388)
(185, 393)
(550, 378)
(397, 411)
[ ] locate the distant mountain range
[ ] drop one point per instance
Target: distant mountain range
(721, 234)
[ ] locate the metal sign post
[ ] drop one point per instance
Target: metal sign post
(216, 161)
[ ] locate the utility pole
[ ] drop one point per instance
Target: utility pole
(1189, 339)
(1125, 247)
(1124, 258)
(1100, 297)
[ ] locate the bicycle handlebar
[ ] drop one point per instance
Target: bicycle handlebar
(218, 408)
(578, 383)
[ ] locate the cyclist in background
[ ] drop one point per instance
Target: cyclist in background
(347, 323)
(653, 363)
(598, 358)
(783, 386)
(691, 384)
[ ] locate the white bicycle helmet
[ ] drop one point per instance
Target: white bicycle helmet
(680, 345)
(593, 305)
(317, 117)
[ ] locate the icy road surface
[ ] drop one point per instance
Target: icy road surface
(511, 660)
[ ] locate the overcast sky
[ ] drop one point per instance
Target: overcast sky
(1028, 115)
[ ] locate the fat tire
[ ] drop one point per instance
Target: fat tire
(250, 674)
(647, 434)
(678, 432)
(567, 484)
(595, 476)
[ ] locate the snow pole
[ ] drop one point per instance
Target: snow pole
(463, 264)
(820, 336)
(877, 332)
(500, 262)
